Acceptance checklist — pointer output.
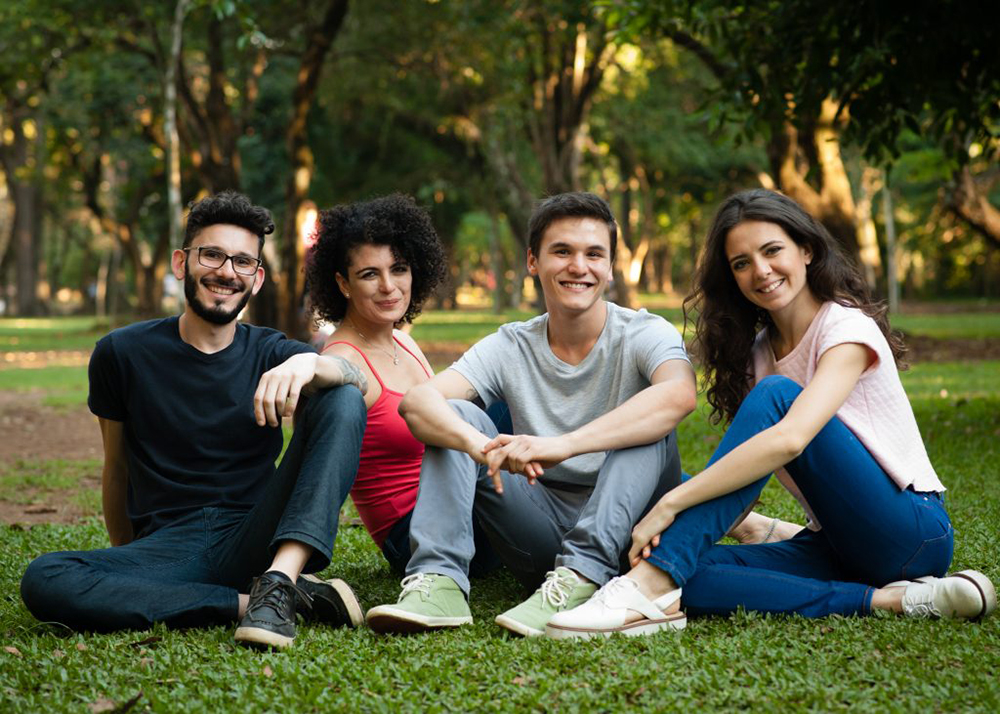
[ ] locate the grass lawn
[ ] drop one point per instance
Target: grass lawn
(740, 662)
(745, 661)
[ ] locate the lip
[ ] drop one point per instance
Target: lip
(771, 286)
(213, 288)
(576, 285)
(385, 304)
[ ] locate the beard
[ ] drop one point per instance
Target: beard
(214, 314)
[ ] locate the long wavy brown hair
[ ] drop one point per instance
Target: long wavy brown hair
(727, 323)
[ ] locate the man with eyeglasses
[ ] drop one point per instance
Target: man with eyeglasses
(190, 409)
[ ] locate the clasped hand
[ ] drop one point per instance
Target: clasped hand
(279, 389)
(522, 454)
(646, 534)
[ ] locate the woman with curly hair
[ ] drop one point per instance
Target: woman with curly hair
(373, 265)
(801, 362)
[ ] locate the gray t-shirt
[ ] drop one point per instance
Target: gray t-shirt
(548, 397)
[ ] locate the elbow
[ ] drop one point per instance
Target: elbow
(407, 406)
(790, 443)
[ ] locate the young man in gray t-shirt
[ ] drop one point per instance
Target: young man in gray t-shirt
(594, 391)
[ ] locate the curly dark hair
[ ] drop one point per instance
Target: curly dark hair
(227, 207)
(396, 221)
(728, 323)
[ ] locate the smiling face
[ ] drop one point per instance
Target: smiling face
(573, 264)
(217, 295)
(377, 285)
(769, 267)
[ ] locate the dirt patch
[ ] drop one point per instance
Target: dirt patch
(928, 349)
(34, 432)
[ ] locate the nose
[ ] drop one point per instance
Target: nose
(761, 267)
(577, 263)
(385, 284)
(226, 269)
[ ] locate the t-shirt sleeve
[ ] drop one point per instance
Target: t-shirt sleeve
(656, 341)
(483, 364)
(282, 348)
(853, 326)
(106, 398)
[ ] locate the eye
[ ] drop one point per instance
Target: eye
(244, 262)
(561, 251)
(212, 254)
(368, 275)
(739, 264)
(401, 268)
(772, 249)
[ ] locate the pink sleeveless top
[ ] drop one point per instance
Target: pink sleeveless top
(385, 489)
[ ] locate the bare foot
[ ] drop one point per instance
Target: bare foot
(756, 528)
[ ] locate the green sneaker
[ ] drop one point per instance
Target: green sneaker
(562, 590)
(428, 602)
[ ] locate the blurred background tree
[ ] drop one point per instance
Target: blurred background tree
(478, 109)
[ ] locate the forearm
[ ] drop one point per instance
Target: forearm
(114, 490)
(432, 421)
(333, 371)
(754, 458)
(645, 418)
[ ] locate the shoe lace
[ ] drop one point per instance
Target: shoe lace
(274, 593)
(418, 582)
(556, 588)
(919, 601)
(614, 587)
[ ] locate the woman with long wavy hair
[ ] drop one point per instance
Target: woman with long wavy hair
(803, 366)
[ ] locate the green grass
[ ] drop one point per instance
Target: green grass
(55, 333)
(950, 326)
(62, 386)
(742, 662)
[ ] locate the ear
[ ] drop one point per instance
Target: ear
(532, 263)
(807, 254)
(258, 280)
(177, 261)
(343, 285)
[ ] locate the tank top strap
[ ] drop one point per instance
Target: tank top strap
(412, 355)
(363, 356)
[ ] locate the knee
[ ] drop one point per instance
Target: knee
(773, 391)
(344, 404)
(44, 586)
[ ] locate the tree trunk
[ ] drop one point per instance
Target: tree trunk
(291, 285)
(833, 204)
(25, 194)
(970, 202)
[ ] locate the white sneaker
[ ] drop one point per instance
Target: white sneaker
(607, 611)
(967, 595)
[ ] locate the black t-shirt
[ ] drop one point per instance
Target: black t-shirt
(189, 426)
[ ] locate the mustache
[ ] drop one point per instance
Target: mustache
(222, 283)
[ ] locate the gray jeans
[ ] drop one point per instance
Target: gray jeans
(534, 528)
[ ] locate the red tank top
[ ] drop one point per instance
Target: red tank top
(385, 489)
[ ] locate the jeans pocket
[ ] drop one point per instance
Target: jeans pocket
(932, 557)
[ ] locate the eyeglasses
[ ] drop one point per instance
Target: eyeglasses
(215, 258)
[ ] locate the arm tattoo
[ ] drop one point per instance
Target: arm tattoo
(352, 373)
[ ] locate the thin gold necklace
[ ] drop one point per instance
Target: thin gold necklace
(395, 352)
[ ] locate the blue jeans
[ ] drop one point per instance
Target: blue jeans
(872, 532)
(189, 573)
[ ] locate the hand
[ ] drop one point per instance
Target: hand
(524, 454)
(646, 534)
(279, 389)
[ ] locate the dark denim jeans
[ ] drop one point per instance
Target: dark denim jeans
(872, 532)
(189, 573)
